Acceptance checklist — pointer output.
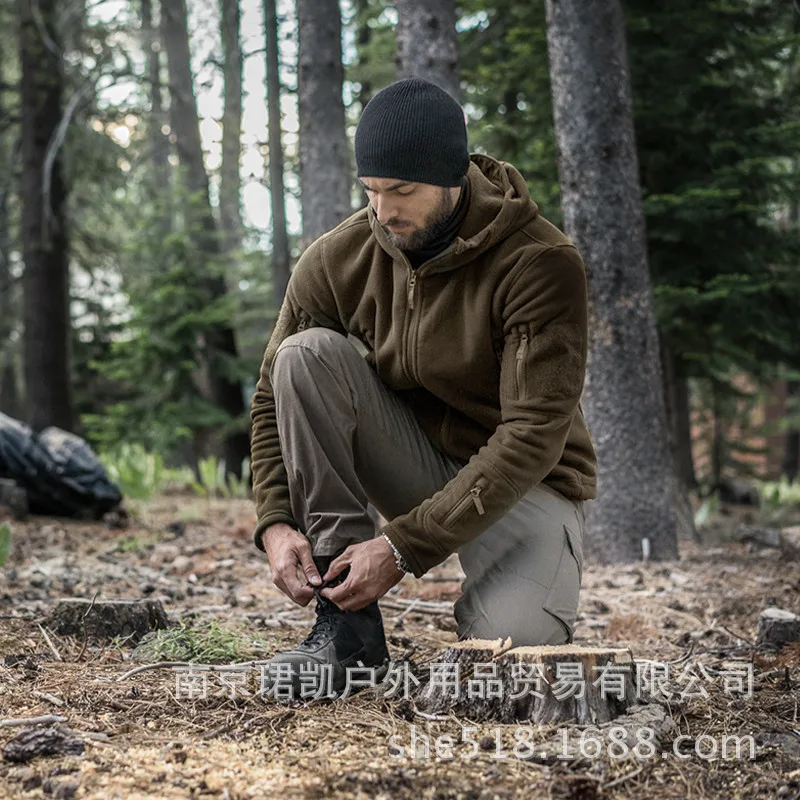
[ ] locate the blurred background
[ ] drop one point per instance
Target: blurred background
(163, 163)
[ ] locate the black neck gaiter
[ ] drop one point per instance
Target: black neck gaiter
(418, 257)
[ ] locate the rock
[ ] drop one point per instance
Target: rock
(38, 741)
(778, 627)
(107, 619)
(14, 498)
(790, 543)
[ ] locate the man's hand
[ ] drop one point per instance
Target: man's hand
(373, 572)
(289, 554)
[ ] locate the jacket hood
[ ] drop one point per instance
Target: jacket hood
(499, 205)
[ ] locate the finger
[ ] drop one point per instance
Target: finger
(340, 594)
(307, 562)
(338, 564)
(289, 583)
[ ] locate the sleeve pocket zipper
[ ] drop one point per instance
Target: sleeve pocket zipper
(520, 365)
(473, 497)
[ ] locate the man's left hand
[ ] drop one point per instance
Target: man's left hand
(373, 572)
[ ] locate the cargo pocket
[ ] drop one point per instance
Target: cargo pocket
(562, 598)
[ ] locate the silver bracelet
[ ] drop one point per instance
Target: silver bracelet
(402, 565)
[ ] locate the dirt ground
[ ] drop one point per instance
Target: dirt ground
(143, 738)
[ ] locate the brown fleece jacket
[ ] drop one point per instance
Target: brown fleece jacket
(486, 343)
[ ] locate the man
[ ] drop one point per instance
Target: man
(462, 422)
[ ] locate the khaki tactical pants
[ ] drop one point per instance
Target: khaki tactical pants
(348, 440)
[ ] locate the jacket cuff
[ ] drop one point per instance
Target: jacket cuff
(418, 568)
(271, 519)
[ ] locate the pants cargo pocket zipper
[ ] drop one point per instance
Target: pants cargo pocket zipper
(473, 497)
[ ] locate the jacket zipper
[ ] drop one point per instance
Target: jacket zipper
(474, 497)
(412, 282)
(523, 346)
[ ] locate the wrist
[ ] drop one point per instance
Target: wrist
(399, 561)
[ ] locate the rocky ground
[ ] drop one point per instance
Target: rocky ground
(146, 735)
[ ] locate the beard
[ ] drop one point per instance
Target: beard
(435, 225)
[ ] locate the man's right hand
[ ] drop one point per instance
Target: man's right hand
(289, 554)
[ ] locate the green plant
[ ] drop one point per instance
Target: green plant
(5, 542)
(776, 494)
(213, 481)
(206, 642)
(138, 472)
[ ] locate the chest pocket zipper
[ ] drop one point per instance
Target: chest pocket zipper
(473, 497)
(520, 365)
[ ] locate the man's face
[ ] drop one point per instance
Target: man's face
(412, 214)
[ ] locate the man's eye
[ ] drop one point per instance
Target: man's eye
(406, 193)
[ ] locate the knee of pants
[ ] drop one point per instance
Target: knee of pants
(305, 347)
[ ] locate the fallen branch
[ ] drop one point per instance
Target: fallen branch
(207, 667)
(49, 643)
(46, 719)
(420, 606)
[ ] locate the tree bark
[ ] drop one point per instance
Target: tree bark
(9, 398)
(45, 244)
(324, 151)
(603, 214)
(220, 340)
(230, 187)
(426, 43)
(281, 259)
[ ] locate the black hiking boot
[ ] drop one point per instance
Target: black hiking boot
(339, 641)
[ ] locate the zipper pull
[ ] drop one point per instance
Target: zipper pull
(475, 491)
(522, 347)
(412, 282)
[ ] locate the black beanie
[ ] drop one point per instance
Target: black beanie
(413, 131)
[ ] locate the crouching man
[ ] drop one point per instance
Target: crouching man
(462, 423)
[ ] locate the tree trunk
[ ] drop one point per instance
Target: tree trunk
(220, 341)
(603, 214)
(676, 399)
(324, 150)
(9, 398)
(159, 143)
(791, 453)
(363, 38)
(48, 391)
(426, 42)
(281, 259)
(230, 216)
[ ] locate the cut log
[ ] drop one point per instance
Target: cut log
(777, 627)
(546, 685)
(32, 742)
(13, 498)
(107, 619)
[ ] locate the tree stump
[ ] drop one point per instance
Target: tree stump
(778, 627)
(546, 685)
(14, 498)
(106, 619)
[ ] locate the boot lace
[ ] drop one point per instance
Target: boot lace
(326, 623)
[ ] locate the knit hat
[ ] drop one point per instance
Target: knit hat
(413, 131)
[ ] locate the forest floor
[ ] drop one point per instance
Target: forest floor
(143, 738)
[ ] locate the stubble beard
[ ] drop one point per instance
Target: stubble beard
(435, 224)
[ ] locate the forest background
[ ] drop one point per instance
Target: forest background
(156, 164)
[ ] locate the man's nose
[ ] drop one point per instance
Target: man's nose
(383, 209)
